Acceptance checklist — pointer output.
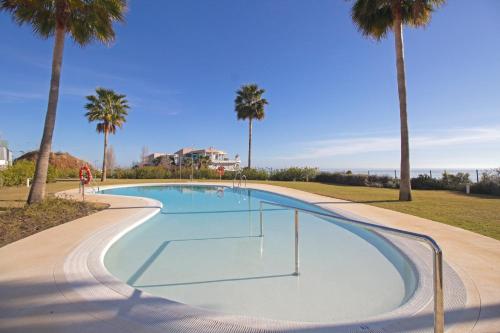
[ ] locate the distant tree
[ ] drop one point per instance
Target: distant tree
(187, 162)
(109, 109)
(375, 18)
(167, 162)
(111, 158)
(85, 21)
(249, 104)
(203, 162)
(144, 155)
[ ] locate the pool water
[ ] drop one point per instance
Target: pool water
(204, 249)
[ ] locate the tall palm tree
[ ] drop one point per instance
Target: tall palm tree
(249, 104)
(109, 109)
(85, 21)
(375, 18)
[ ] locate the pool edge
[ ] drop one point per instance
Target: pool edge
(112, 283)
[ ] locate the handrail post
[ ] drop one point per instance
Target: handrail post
(296, 242)
(261, 226)
(438, 292)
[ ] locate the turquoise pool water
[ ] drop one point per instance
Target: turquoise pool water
(204, 249)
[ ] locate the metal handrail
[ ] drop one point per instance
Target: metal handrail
(242, 176)
(437, 257)
(236, 176)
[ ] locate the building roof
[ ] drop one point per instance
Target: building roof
(210, 150)
(213, 150)
(154, 155)
(184, 151)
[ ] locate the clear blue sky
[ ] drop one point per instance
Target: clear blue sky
(332, 93)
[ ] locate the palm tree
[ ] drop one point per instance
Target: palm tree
(187, 162)
(110, 110)
(168, 162)
(85, 21)
(249, 104)
(203, 162)
(375, 18)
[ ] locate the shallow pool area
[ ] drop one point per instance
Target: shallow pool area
(204, 249)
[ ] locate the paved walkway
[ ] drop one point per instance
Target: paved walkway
(31, 301)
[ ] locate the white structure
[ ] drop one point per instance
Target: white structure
(5, 157)
(216, 157)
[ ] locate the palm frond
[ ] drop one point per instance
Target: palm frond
(107, 108)
(249, 103)
(375, 18)
(84, 20)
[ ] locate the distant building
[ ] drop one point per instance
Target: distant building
(150, 159)
(216, 158)
(5, 157)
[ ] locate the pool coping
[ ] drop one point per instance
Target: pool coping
(181, 312)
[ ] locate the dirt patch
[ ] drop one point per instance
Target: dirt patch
(17, 223)
(59, 160)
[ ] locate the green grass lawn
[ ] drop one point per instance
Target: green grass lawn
(479, 214)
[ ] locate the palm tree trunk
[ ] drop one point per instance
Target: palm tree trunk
(104, 157)
(37, 191)
(405, 184)
(250, 143)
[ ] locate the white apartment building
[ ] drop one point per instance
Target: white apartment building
(216, 157)
(5, 157)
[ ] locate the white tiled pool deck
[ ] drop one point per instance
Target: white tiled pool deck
(44, 285)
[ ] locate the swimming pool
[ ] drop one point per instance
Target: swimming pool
(204, 249)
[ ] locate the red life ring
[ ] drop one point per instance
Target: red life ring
(87, 178)
(220, 171)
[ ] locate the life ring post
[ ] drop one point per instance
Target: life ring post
(220, 171)
(85, 178)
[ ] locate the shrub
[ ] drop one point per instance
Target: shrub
(446, 182)
(146, 172)
(123, 173)
(356, 179)
(486, 187)
(17, 173)
(228, 175)
(294, 174)
(69, 172)
(152, 172)
(20, 171)
(255, 174)
(426, 182)
(455, 182)
(205, 173)
(382, 181)
(342, 178)
(489, 183)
